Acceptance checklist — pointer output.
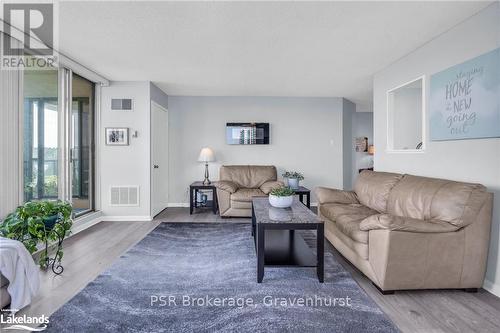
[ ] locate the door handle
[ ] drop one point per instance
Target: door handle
(156, 166)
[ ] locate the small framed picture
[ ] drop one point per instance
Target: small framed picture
(361, 144)
(116, 136)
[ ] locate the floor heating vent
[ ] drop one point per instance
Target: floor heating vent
(124, 196)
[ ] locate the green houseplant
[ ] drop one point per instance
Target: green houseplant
(38, 222)
(293, 178)
(281, 197)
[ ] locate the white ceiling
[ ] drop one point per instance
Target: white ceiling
(253, 49)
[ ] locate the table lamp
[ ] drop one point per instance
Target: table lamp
(206, 155)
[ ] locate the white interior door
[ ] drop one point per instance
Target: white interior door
(159, 159)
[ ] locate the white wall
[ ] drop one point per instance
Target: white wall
(126, 165)
(464, 160)
(306, 136)
(407, 118)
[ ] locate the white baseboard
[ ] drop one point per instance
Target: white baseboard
(126, 218)
(493, 288)
(178, 204)
(86, 222)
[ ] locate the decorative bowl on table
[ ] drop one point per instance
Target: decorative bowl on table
(281, 197)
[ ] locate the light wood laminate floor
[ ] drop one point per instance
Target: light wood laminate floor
(90, 252)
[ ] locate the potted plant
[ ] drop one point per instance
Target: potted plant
(293, 178)
(40, 222)
(281, 197)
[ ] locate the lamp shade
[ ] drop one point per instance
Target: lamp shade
(371, 149)
(206, 155)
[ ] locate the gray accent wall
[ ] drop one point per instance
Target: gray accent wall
(362, 126)
(306, 135)
(158, 96)
(348, 110)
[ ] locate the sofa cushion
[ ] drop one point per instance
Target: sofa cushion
(248, 176)
(349, 225)
(226, 185)
(390, 222)
(373, 188)
(268, 186)
(246, 194)
(412, 197)
(333, 210)
(458, 203)
(347, 219)
(330, 195)
(436, 199)
(359, 248)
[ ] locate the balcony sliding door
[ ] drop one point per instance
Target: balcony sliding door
(82, 133)
(44, 161)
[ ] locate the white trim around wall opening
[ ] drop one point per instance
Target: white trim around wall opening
(389, 127)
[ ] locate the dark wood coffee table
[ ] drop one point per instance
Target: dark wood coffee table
(277, 244)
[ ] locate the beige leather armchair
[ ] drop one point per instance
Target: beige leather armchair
(409, 232)
(238, 184)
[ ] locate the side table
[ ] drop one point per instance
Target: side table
(194, 188)
(301, 192)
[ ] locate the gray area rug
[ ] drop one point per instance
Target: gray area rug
(202, 278)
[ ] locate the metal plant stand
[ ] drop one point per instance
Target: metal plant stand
(54, 262)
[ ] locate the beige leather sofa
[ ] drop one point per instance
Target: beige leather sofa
(239, 183)
(408, 232)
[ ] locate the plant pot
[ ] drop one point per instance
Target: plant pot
(280, 202)
(285, 181)
(293, 183)
(50, 222)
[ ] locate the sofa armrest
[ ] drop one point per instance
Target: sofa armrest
(330, 195)
(390, 222)
(268, 186)
(226, 185)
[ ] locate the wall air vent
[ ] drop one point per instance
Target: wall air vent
(124, 196)
(121, 104)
